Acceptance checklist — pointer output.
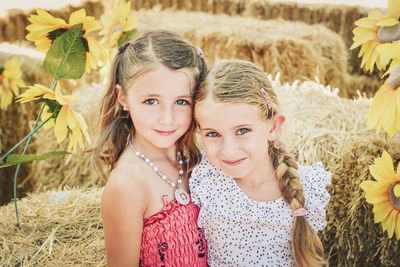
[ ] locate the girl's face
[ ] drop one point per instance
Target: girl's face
(235, 136)
(160, 106)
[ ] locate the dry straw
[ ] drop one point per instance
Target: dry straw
(351, 237)
(14, 122)
(18, 119)
(13, 24)
(60, 228)
(338, 18)
(64, 228)
(297, 50)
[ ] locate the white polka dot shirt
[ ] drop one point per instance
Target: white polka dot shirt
(241, 231)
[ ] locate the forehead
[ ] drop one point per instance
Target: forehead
(163, 81)
(210, 114)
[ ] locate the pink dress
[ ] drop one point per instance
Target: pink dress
(171, 237)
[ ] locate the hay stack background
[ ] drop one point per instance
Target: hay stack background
(76, 169)
(18, 119)
(330, 135)
(15, 121)
(12, 26)
(351, 237)
(338, 18)
(58, 229)
(318, 122)
(297, 50)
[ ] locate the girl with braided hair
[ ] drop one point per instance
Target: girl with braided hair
(257, 206)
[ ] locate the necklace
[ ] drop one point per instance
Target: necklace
(180, 195)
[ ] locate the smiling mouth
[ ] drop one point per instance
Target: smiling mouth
(165, 133)
(234, 162)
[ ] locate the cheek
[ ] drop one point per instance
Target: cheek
(211, 147)
(184, 115)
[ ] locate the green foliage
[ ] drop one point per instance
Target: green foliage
(66, 57)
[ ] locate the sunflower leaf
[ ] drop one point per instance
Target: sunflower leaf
(127, 36)
(15, 159)
(66, 57)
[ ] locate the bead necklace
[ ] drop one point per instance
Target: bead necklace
(180, 195)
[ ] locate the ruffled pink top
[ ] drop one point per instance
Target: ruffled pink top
(171, 237)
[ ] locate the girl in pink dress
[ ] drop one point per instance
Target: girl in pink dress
(146, 149)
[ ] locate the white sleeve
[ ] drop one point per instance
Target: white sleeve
(314, 179)
(199, 177)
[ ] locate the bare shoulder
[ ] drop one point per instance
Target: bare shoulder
(126, 185)
(123, 205)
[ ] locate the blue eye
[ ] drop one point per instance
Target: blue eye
(212, 134)
(182, 102)
(151, 101)
(242, 131)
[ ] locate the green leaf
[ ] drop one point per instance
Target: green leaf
(15, 159)
(126, 37)
(66, 57)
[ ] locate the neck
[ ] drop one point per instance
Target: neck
(154, 153)
(263, 173)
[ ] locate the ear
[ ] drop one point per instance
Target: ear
(277, 122)
(120, 96)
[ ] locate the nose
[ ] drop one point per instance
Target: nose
(228, 148)
(167, 116)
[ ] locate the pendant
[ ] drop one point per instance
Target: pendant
(181, 196)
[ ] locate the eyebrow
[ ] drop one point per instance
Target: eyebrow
(236, 127)
(181, 96)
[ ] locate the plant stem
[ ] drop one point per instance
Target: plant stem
(28, 139)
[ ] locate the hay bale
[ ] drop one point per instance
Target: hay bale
(318, 122)
(338, 18)
(15, 121)
(18, 119)
(351, 237)
(13, 24)
(76, 169)
(297, 50)
(58, 229)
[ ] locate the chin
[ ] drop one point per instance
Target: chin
(235, 172)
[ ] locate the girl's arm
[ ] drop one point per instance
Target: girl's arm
(122, 207)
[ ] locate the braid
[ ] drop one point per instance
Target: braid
(307, 248)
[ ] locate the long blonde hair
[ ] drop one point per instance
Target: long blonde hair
(133, 60)
(237, 81)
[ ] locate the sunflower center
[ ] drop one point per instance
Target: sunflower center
(394, 78)
(394, 195)
(56, 33)
(388, 34)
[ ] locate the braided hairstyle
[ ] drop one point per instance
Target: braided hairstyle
(134, 59)
(237, 81)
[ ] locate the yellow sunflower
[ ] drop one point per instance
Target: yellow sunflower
(45, 29)
(384, 112)
(10, 81)
(384, 194)
(116, 24)
(375, 30)
(68, 121)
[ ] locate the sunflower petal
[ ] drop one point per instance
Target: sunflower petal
(60, 127)
(393, 9)
(381, 211)
(387, 22)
